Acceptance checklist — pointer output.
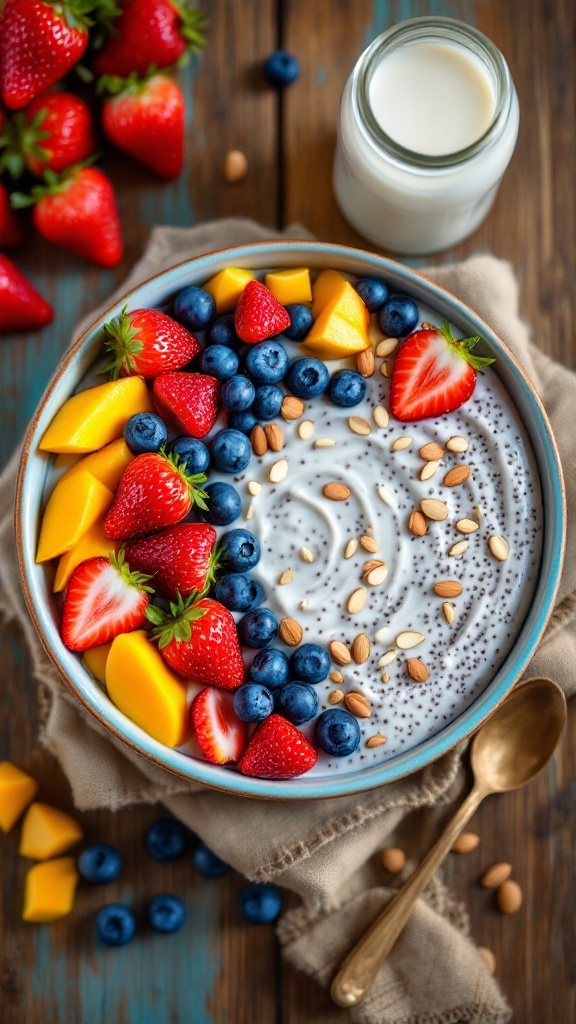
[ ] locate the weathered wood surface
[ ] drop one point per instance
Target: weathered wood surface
(220, 970)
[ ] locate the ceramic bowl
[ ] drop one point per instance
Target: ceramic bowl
(35, 465)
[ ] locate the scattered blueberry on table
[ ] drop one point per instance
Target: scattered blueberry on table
(260, 903)
(166, 840)
(207, 863)
(281, 69)
(115, 924)
(99, 864)
(166, 913)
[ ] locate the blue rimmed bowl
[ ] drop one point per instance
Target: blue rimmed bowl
(35, 466)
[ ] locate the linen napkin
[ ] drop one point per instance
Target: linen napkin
(323, 850)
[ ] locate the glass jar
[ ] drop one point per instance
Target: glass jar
(407, 201)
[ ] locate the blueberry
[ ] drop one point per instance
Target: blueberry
(281, 69)
(166, 914)
(260, 903)
(310, 662)
(218, 361)
(230, 451)
(297, 701)
(270, 667)
(145, 432)
(193, 454)
(253, 702)
(224, 505)
(207, 863)
(244, 421)
(267, 362)
(258, 628)
(398, 316)
(100, 863)
(241, 550)
(338, 732)
(194, 308)
(301, 321)
(238, 592)
(223, 332)
(115, 924)
(372, 291)
(307, 377)
(267, 402)
(238, 393)
(346, 388)
(166, 840)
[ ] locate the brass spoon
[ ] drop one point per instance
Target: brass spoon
(508, 751)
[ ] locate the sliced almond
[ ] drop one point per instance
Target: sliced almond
(465, 843)
(428, 470)
(336, 696)
(377, 575)
(292, 407)
(274, 436)
(457, 444)
(380, 416)
(431, 452)
(387, 658)
(306, 555)
(365, 362)
(351, 548)
(258, 440)
(458, 549)
(466, 526)
(286, 577)
(494, 876)
(250, 511)
(305, 430)
(386, 496)
(448, 588)
(410, 638)
(385, 368)
(359, 426)
(479, 512)
(386, 347)
(339, 652)
(488, 958)
(336, 677)
(417, 524)
(456, 476)
(291, 632)
(360, 648)
(254, 487)
(278, 471)
(417, 670)
(498, 547)
(356, 601)
(325, 442)
(448, 612)
(401, 443)
(371, 563)
(369, 543)
(358, 705)
(434, 509)
(336, 491)
(375, 741)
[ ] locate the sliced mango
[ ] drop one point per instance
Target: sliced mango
(49, 890)
(95, 661)
(289, 286)
(47, 832)
(227, 287)
(145, 689)
(107, 465)
(17, 790)
(91, 544)
(75, 504)
(333, 337)
(94, 417)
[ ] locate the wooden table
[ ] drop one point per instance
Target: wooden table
(220, 970)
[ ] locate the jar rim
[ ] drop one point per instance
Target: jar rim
(431, 28)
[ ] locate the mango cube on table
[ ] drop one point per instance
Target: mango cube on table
(227, 287)
(47, 832)
(17, 790)
(95, 659)
(96, 416)
(290, 286)
(49, 890)
(91, 544)
(75, 504)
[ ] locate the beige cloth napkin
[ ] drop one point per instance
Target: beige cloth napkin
(323, 850)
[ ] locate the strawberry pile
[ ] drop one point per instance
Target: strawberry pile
(125, 51)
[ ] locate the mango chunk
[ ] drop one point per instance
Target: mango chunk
(94, 417)
(75, 504)
(333, 337)
(95, 661)
(17, 790)
(289, 286)
(107, 464)
(47, 831)
(91, 544)
(49, 890)
(145, 689)
(332, 292)
(328, 285)
(227, 287)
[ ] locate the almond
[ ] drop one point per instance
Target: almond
(278, 471)
(380, 416)
(274, 436)
(305, 430)
(335, 697)
(488, 958)
(431, 452)
(365, 362)
(494, 876)
(386, 347)
(387, 658)
(286, 577)
(336, 677)
(371, 563)
(410, 638)
(428, 470)
(417, 670)
(258, 441)
(393, 859)
(254, 487)
(336, 491)
(458, 549)
(351, 548)
(434, 509)
(375, 741)
(356, 601)
(448, 612)
(359, 426)
(376, 575)
(401, 443)
(369, 543)
(291, 632)
(417, 524)
(306, 555)
(385, 368)
(457, 444)
(360, 648)
(235, 166)
(448, 588)
(466, 526)
(339, 652)
(509, 897)
(325, 442)
(456, 476)
(465, 843)
(498, 548)
(358, 705)
(292, 407)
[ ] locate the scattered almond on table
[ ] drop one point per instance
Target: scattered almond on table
(465, 843)
(393, 859)
(494, 876)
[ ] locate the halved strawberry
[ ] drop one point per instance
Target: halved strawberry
(181, 559)
(199, 641)
(103, 599)
(220, 734)
(154, 492)
(146, 342)
(277, 750)
(258, 314)
(188, 400)
(434, 373)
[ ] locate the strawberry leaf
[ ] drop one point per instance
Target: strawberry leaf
(134, 579)
(463, 346)
(121, 341)
(176, 625)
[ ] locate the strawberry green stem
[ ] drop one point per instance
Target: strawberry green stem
(463, 346)
(177, 623)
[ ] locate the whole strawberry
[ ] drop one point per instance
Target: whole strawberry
(149, 33)
(182, 558)
(188, 400)
(154, 492)
(21, 307)
(146, 342)
(146, 119)
(103, 599)
(56, 132)
(277, 750)
(258, 314)
(78, 212)
(198, 639)
(11, 230)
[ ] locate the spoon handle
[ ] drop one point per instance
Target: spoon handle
(361, 965)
